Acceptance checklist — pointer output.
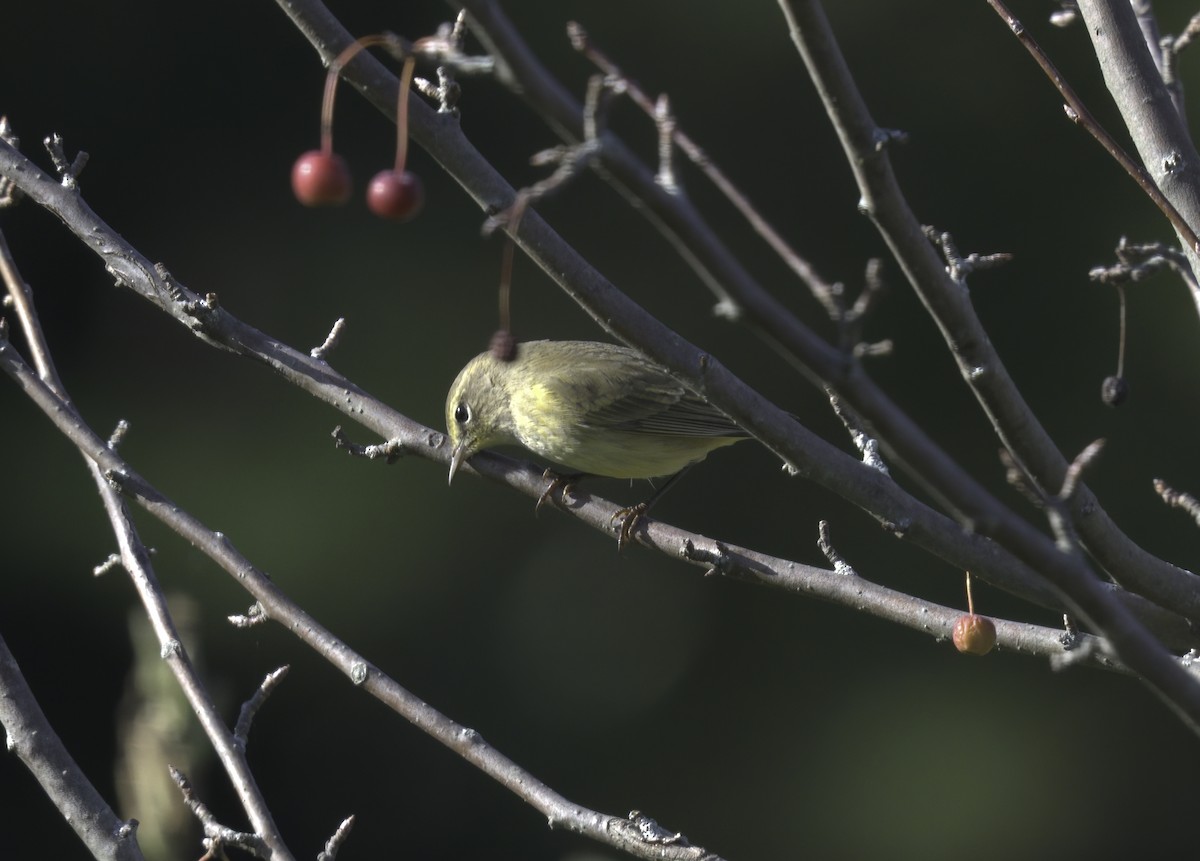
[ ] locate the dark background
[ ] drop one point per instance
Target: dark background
(762, 725)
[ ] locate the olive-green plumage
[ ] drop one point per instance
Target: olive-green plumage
(590, 407)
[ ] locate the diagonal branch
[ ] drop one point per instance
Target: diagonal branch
(616, 831)
(1078, 112)
(949, 304)
(906, 443)
(1158, 131)
(1074, 584)
(898, 511)
(135, 559)
(811, 456)
(32, 738)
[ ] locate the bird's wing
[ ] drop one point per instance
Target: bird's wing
(648, 401)
(688, 416)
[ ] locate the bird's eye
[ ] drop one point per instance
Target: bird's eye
(462, 414)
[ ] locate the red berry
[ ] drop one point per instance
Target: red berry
(397, 196)
(321, 179)
(974, 635)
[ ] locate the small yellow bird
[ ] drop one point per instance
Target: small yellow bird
(593, 408)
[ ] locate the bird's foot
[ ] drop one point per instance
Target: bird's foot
(562, 483)
(629, 518)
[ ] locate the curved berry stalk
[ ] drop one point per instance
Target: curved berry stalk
(398, 194)
(321, 177)
(1115, 389)
(503, 345)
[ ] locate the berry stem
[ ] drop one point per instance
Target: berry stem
(970, 599)
(1121, 343)
(406, 75)
(331, 80)
(506, 264)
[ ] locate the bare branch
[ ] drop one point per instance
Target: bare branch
(815, 458)
(1015, 424)
(1077, 112)
(1178, 499)
(331, 340)
(959, 267)
(32, 738)
(256, 615)
(241, 731)
(866, 444)
(69, 170)
(1019, 558)
(796, 445)
(113, 561)
(1075, 473)
(618, 314)
(391, 451)
(1018, 427)
(135, 559)
(657, 110)
(825, 544)
(1158, 131)
(715, 557)
(216, 835)
(1060, 523)
(335, 843)
(1139, 261)
(462, 740)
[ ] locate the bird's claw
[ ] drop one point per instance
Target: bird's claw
(555, 482)
(629, 519)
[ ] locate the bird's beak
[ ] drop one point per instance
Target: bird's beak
(456, 459)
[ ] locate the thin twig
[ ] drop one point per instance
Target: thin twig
(135, 559)
(331, 340)
(866, 444)
(216, 835)
(882, 200)
(570, 160)
(334, 844)
(701, 247)
(613, 831)
(1075, 473)
(1060, 523)
(959, 267)
(825, 545)
(1012, 419)
(391, 451)
(1137, 261)
(815, 458)
(1078, 113)
(113, 561)
(1155, 125)
(253, 617)
(823, 462)
(1178, 499)
(715, 557)
(241, 730)
(803, 270)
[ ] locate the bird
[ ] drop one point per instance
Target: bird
(590, 407)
